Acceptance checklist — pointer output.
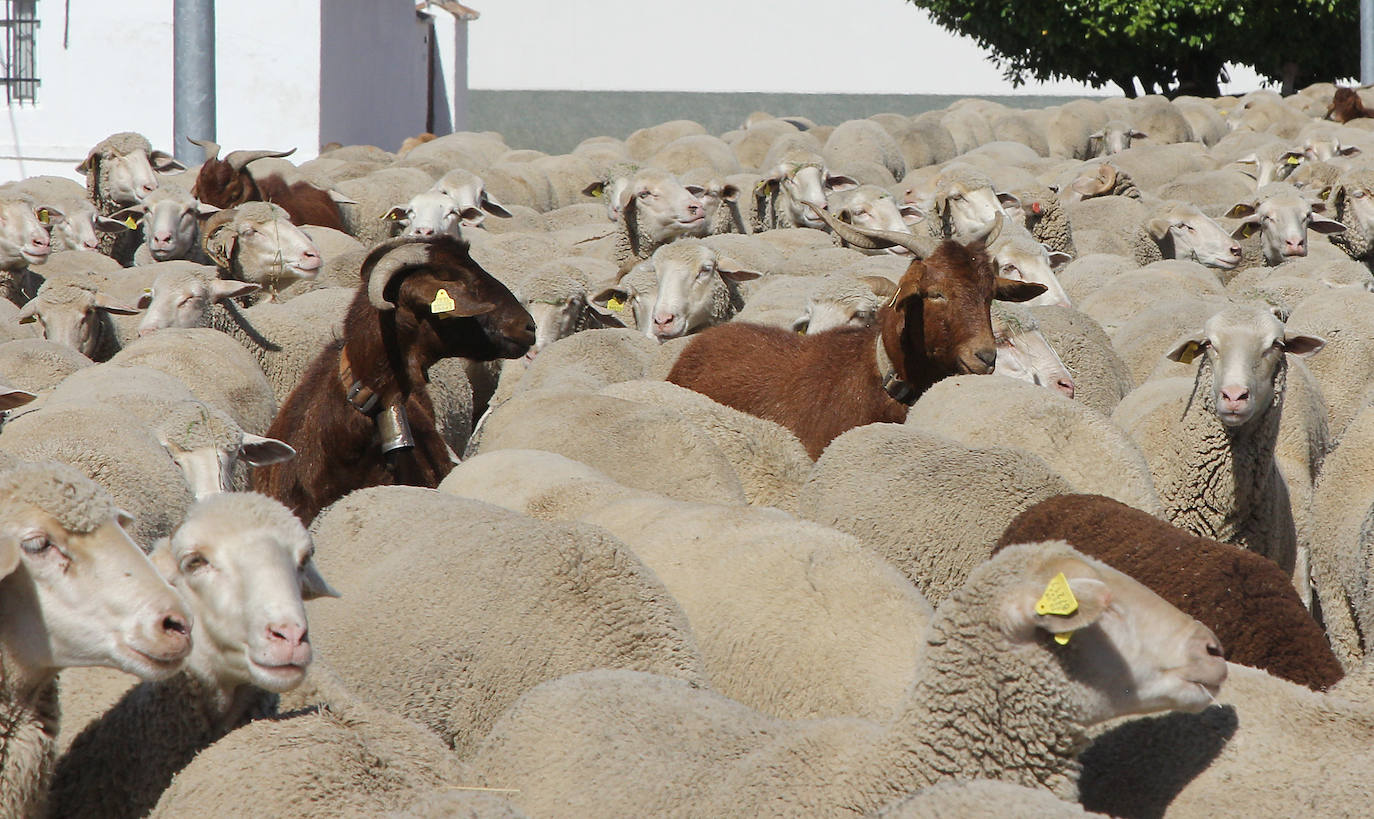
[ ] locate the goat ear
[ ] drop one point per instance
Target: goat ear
(1012, 290)
(491, 205)
(909, 286)
(1302, 345)
(164, 162)
(259, 451)
(313, 584)
(443, 298)
(1051, 602)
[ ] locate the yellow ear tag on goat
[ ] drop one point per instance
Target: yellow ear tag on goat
(130, 223)
(1189, 353)
(1058, 598)
(1063, 638)
(615, 304)
(442, 303)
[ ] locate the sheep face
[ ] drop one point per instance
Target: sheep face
(71, 314)
(128, 178)
(432, 213)
(1282, 218)
(24, 239)
(171, 224)
(86, 598)
(75, 227)
(873, 208)
(554, 320)
(1325, 148)
(260, 243)
(1114, 138)
(1025, 354)
(712, 195)
(1027, 260)
(1355, 203)
(1243, 349)
(1270, 166)
(968, 211)
(665, 209)
(805, 184)
(207, 446)
(1126, 649)
(691, 281)
(470, 199)
(1184, 232)
(183, 301)
(842, 302)
(245, 576)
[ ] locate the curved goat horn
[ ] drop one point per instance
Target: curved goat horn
(210, 147)
(388, 259)
(238, 159)
(874, 239)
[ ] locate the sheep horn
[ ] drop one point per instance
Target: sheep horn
(238, 159)
(388, 259)
(209, 146)
(873, 239)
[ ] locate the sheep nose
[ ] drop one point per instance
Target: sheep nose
(1235, 251)
(988, 357)
(163, 236)
(147, 188)
(1234, 395)
(293, 634)
(1065, 385)
(41, 239)
(424, 231)
(1214, 649)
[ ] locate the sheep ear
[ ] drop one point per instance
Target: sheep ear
(1012, 290)
(1054, 603)
(1348, 150)
(801, 323)
(596, 189)
(1292, 158)
(396, 214)
(256, 450)
(205, 209)
(731, 271)
(130, 217)
(612, 298)
(221, 289)
(838, 182)
(341, 198)
(164, 162)
(1303, 345)
(1008, 200)
(882, 287)
(1327, 226)
(12, 397)
(730, 193)
(1241, 210)
(490, 204)
(1247, 229)
(29, 312)
(1188, 348)
(49, 215)
(103, 302)
(1137, 135)
(1058, 258)
(1158, 228)
(313, 584)
(105, 224)
(1097, 136)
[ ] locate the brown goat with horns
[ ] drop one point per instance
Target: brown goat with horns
(937, 324)
(227, 183)
(362, 416)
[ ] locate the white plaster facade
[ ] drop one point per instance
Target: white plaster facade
(289, 74)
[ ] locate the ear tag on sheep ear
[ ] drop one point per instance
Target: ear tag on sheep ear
(1057, 599)
(615, 304)
(1293, 160)
(130, 223)
(442, 303)
(1189, 353)
(43, 216)
(1063, 637)
(598, 193)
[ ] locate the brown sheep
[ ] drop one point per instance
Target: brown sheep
(226, 183)
(362, 416)
(1245, 598)
(1346, 105)
(936, 324)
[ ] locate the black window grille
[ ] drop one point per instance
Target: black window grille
(19, 61)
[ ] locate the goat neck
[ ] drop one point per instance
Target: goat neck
(904, 368)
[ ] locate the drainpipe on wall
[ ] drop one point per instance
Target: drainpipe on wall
(193, 77)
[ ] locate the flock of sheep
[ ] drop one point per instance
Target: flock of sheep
(568, 585)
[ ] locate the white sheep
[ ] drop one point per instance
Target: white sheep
(1210, 439)
(170, 218)
(1282, 215)
(38, 365)
(595, 742)
(72, 220)
(121, 170)
(793, 181)
(693, 288)
(24, 241)
(1018, 256)
(243, 564)
(256, 242)
(89, 597)
(70, 309)
(556, 297)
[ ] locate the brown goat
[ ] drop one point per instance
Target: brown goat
(421, 300)
(1245, 598)
(226, 183)
(937, 324)
(1346, 105)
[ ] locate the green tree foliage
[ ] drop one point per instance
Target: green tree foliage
(1176, 46)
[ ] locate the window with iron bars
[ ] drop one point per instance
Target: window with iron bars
(18, 60)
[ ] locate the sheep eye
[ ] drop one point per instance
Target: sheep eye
(645, 194)
(1358, 194)
(35, 544)
(185, 301)
(192, 563)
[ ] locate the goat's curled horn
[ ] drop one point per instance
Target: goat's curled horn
(388, 259)
(874, 239)
(209, 146)
(238, 159)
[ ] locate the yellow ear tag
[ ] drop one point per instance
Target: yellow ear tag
(615, 304)
(1063, 638)
(1293, 160)
(598, 193)
(1189, 353)
(43, 216)
(442, 303)
(1058, 598)
(130, 223)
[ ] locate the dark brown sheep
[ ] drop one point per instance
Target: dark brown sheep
(421, 300)
(226, 183)
(1346, 105)
(937, 324)
(1246, 599)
